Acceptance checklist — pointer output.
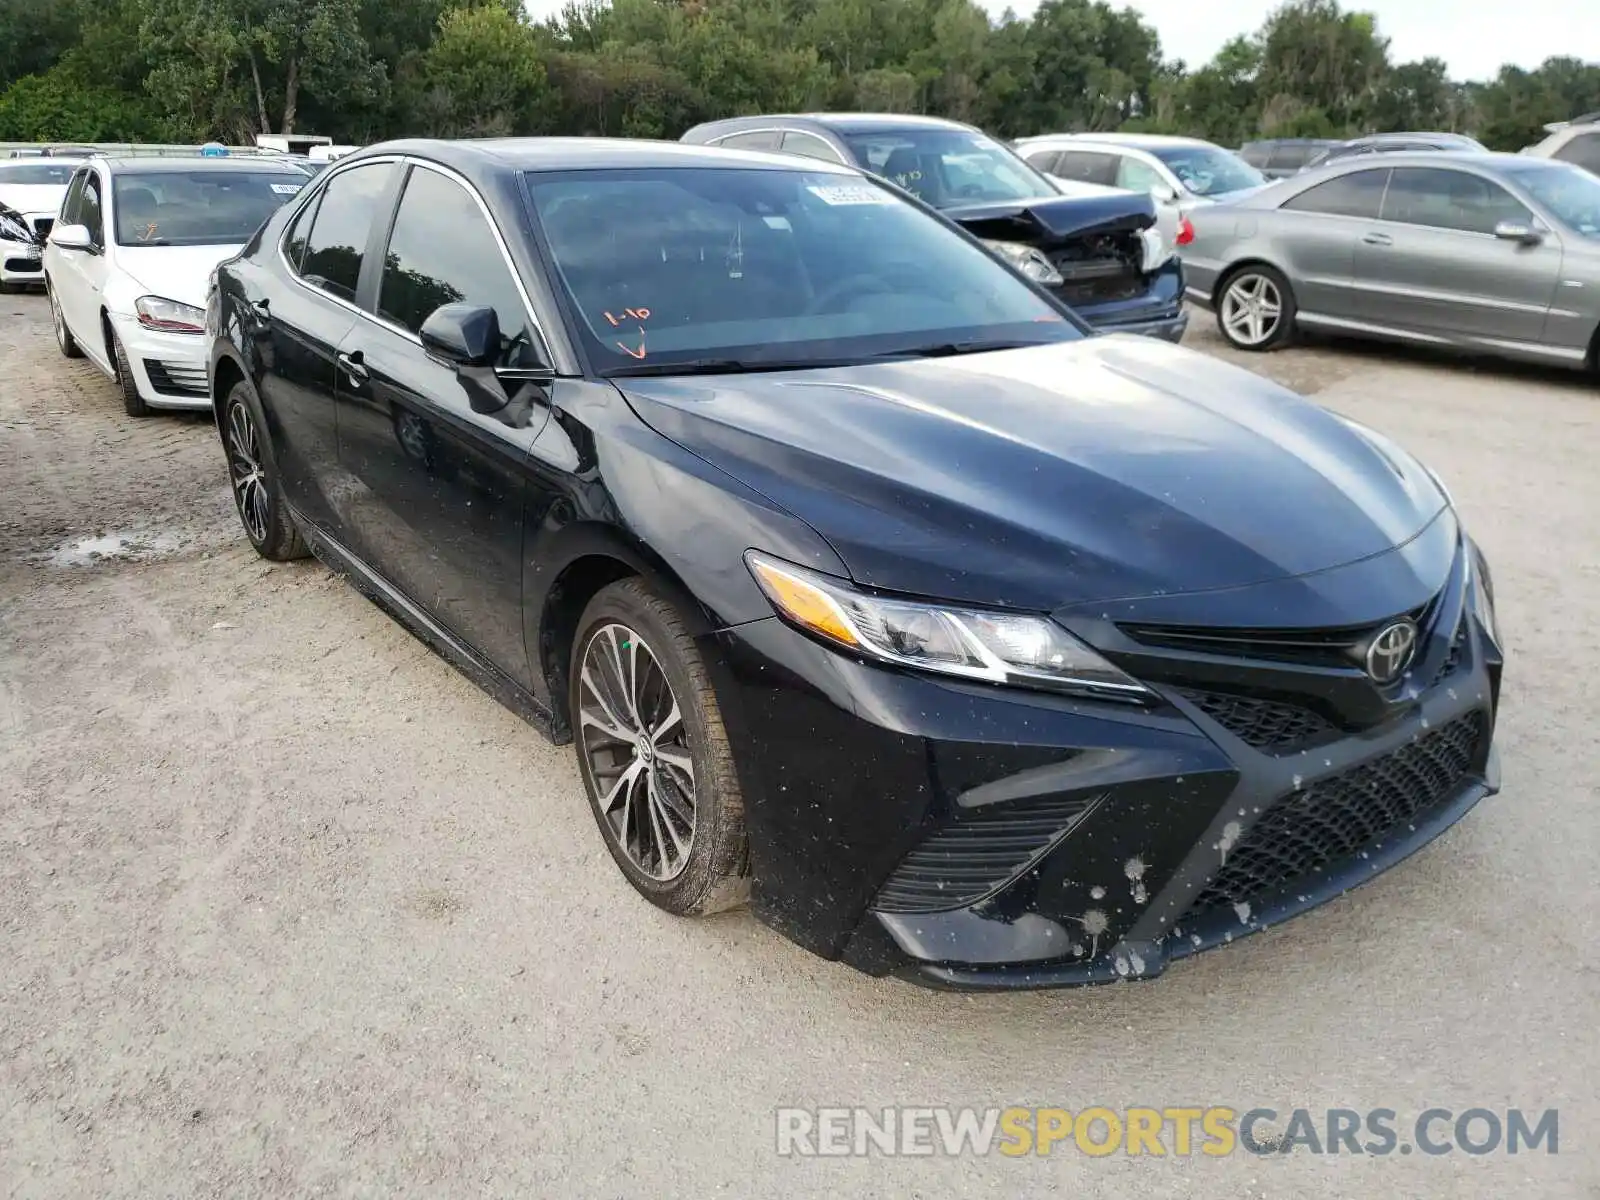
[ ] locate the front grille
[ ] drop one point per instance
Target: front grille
(965, 861)
(1264, 724)
(1335, 819)
(178, 379)
(1306, 647)
(1097, 279)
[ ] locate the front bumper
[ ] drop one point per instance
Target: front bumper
(20, 263)
(168, 368)
(987, 838)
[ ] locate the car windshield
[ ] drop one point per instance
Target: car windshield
(36, 174)
(197, 208)
(679, 266)
(1570, 193)
(948, 167)
(1209, 170)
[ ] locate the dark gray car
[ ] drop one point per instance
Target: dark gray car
(1485, 252)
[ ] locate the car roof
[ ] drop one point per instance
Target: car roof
(1134, 141)
(838, 122)
(492, 155)
(1487, 160)
(154, 164)
(1407, 137)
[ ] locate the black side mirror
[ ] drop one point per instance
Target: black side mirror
(467, 335)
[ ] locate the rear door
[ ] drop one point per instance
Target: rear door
(301, 323)
(1433, 266)
(439, 483)
(1317, 233)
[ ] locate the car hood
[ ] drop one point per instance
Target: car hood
(1108, 468)
(32, 199)
(178, 273)
(1051, 221)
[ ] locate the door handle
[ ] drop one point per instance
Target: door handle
(1378, 239)
(351, 365)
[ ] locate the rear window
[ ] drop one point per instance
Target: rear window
(197, 208)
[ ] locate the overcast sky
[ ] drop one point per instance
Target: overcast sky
(1474, 36)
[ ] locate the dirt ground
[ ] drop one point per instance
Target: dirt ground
(290, 908)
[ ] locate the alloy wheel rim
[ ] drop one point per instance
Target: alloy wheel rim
(244, 465)
(636, 747)
(1252, 309)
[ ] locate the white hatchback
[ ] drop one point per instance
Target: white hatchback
(131, 255)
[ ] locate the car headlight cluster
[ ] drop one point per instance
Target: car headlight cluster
(169, 316)
(997, 647)
(1027, 259)
(13, 230)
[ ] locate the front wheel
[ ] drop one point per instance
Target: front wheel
(252, 469)
(654, 754)
(133, 403)
(1256, 309)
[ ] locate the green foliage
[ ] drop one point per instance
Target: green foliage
(363, 70)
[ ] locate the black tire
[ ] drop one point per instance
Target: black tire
(713, 874)
(65, 342)
(1267, 282)
(127, 386)
(253, 476)
(7, 289)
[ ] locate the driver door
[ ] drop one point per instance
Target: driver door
(442, 483)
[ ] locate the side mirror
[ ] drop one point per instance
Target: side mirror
(465, 335)
(1520, 232)
(72, 237)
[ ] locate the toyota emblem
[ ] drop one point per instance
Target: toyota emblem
(1390, 652)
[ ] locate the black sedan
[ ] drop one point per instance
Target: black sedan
(867, 585)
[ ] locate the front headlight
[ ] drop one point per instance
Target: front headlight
(169, 316)
(997, 647)
(13, 230)
(1027, 259)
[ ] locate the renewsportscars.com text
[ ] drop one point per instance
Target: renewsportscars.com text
(1212, 1132)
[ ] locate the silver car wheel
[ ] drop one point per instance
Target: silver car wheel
(1252, 309)
(635, 743)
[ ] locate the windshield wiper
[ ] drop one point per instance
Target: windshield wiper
(950, 349)
(726, 366)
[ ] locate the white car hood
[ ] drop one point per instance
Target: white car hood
(178, 273)
(32, 199)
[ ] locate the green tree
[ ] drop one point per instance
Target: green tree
(484, 76)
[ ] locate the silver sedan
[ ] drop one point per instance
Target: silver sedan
(1496, 253)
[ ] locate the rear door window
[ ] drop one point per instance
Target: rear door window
(1583, 150)
(1134, 175)
(89, 210)
(1089, 166)
(337, 241)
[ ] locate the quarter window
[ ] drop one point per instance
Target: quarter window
(443, 251)
(1358, 194)
(1584, 150)
(337, 241)
(1444, 199)
(760, 140)
(809, 145)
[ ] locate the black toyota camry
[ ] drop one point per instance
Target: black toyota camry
(868, 585)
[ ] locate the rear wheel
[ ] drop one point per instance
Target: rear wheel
(64, 338)
(654, 754)
(1256, 309)
(252, 469)
(126, 383)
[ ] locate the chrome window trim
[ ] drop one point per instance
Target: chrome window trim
(460, 181)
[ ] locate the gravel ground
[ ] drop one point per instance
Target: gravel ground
(290, 908)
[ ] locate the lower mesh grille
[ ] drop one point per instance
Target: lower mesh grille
(964, 862)
(183, 379)
(1264, 724)
(1336, 818)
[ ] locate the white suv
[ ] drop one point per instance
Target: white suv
(130, 257)
(1575, 141)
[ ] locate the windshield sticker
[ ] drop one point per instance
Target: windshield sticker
(850, 193)
(629, 314)
(636, 317)
(287, 189)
